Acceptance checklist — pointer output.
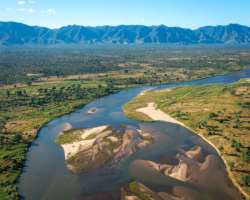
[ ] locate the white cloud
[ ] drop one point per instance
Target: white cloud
(31, 10)
(51, 11)
(27, 10)
(21, 2)
(31, 2)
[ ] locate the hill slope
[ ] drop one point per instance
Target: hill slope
(12, 33)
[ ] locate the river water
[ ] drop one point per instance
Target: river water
(45, 175)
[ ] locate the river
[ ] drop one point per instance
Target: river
(45, 175)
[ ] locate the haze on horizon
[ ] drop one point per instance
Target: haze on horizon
(188, 14)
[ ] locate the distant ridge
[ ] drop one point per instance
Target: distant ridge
(13, 33)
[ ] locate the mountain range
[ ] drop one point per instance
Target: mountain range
(13, 33)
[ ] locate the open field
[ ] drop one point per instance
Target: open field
(219, 113)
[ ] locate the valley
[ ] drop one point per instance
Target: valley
(38, 93)
(124, 100)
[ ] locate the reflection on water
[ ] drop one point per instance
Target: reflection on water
(45, 175)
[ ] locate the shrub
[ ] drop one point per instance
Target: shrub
(231, 165)
(245, 155)
(245, 180)
(236, 144)
(212, 115)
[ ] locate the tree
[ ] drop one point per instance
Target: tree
(19, 93)
(245, 180)
(245, 155)
(7, 93)
(110, 85)
(237, 120)
(17, 138)
(29, 83)
(236, 144)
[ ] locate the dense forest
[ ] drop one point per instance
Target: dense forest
(29, 64)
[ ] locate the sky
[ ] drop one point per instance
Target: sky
(182, 13)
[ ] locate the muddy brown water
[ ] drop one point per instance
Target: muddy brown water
(46, 177)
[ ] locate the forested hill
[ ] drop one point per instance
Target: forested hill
(12, 33)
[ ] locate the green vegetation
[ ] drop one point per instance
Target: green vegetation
(41, 83)
(215, 112)
(138, 191)
(134, 188)
(69, 136)
(74, 135)
(245, 180)
(130, 64)
(24, 110)
(130, 108)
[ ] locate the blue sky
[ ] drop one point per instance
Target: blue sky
(183, 13)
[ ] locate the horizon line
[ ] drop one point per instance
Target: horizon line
(95, 26)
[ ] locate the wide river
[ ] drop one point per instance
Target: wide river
(45, 175)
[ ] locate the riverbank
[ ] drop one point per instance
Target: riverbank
(202, 110)
(24, 111)
(156, 114)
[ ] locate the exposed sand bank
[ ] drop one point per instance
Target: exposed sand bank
(187, 177)
(157, 114)
(143, 92)
(88, 149)
(73, 148)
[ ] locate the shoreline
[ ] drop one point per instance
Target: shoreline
(158, 115)
(11, 86)
(29, 144)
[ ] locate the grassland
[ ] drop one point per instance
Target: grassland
(25, 109)
(219, 113)
(69, 136)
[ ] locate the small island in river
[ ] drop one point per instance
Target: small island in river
(88, 149)
(92, 111)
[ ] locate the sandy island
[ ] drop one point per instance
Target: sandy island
(73, 148)
(88, 149)
(92, 111)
